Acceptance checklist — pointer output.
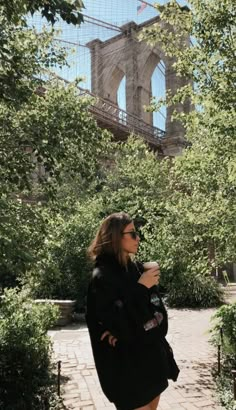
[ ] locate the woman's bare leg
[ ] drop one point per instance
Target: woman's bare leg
(154, 403)
(150, 406)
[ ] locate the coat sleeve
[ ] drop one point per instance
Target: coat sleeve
(123, 317)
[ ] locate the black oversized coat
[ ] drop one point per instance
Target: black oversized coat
(135, 371)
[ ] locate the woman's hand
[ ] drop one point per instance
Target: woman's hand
(111, 339)
(150, 277)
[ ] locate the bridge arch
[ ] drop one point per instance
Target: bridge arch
(112, 84)
(145, 85)
(158, 89)
(123, 55)
(121, 94)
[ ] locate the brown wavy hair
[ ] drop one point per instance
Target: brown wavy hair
(108, 237)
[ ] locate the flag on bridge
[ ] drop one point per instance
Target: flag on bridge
(141, 7)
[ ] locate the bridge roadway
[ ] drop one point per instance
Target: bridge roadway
(121, 123)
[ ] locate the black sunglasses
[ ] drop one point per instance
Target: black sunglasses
(133, 234)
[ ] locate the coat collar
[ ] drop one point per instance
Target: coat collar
(111, 261)
(107, 259)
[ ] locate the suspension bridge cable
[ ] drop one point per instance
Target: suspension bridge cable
(104, 22)
(123, 48)
(101, 29)
(102, 25)
(70, 42)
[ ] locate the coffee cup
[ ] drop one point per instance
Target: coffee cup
(150, 265)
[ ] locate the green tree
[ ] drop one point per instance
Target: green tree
(131, 181)
(140, 184)
(202, 217)
(23, 51)
(63, 268)
(203, 179)
(16, 10)
(66, 143)
(136, 179)
(44, 138)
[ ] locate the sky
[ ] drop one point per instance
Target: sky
(116, 12)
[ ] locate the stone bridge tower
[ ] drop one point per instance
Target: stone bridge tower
(123, 55)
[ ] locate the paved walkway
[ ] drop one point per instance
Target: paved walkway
(188, 335)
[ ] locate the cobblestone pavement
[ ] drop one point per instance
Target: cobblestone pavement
(188, 335)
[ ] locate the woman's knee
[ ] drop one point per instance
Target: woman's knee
(154, 403)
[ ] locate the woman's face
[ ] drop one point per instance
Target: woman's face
(130, 239)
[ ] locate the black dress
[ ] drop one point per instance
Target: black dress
(135, 371)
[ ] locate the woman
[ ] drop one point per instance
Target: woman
(127, 320)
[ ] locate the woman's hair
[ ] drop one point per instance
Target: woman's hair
(109, 235)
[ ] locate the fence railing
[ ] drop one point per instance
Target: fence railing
(105, 109)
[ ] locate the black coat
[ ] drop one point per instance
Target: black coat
(135, 371)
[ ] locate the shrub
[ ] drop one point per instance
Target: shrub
(22, 231)
(225, 319)
(189, 289)
(26, 372)
(64, 271)
(224, 387)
